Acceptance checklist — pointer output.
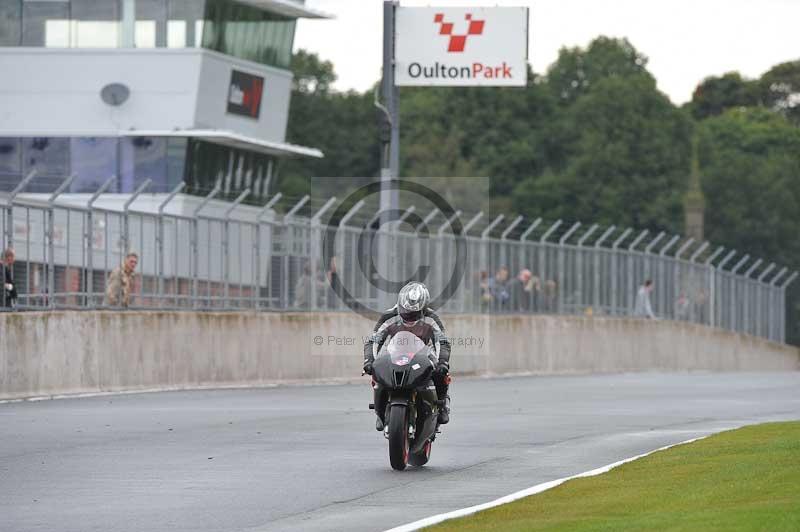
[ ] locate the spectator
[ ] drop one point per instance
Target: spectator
(9, 286)
(642, 309)
(520, 292)
(120, 282)
(498, 287)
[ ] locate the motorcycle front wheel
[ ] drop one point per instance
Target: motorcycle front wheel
(398, 437)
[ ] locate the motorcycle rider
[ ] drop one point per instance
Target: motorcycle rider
(413, 313)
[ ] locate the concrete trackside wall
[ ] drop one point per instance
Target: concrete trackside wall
(86, 352)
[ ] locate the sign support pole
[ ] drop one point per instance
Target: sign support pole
(390, 144)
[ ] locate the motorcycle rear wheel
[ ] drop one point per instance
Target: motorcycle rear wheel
(398, 437)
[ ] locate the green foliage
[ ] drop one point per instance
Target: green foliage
(780, 90)
(576, 70)
(718, 93)
(629, 160)
(750, 164)
(750, 161)
(317, 118)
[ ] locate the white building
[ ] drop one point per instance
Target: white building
(195, 91)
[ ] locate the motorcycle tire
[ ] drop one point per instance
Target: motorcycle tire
(398, 437)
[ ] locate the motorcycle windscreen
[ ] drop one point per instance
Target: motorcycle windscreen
(404, 346)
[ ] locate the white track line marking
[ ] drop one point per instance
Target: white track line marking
(435, 519)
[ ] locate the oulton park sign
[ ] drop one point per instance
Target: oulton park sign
(438, 46)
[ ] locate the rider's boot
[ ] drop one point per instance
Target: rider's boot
(444, 411)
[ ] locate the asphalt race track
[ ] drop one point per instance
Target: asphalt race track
(309, 458)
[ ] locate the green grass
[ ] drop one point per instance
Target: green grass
(745, 479)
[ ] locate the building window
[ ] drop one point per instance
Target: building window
(45, 24)
(95, 24)
(248, 33)
(49, 156)
(94, 161)
(233, 169)
(184, 23)
(151, 23)
(10, 22)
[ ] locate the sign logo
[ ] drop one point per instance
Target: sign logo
(244, 94)
(458, 42)
(459, 47)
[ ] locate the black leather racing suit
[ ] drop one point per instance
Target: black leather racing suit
(430, 321)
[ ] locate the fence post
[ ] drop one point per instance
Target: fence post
(89, 236)
(485, 243)
(50, 235)
(632, 281)
(126, 228)
(530, 229)
(257, 251)
(677, 272)
(749, 287)
(193, 242)
(692, 259)
(615, 277)
(505, 255)
(764, 297)
(561, 274)
(648, 252)
(721, 294)
(663, 261)
(584, 301)
(774, 312)
(289, 247)
(596, 273)
(782, 303)
(735, 292)
(440, 237)
(160, 242)
(9, 233)
(711, 271)
(316, 252)
(406, 213)
(542, 266)
(226, 267)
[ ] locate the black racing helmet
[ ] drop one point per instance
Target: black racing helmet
(412, 301)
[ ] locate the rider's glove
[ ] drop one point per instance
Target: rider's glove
(368, 367)
(442, 368)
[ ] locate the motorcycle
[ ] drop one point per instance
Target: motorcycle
(405, 393)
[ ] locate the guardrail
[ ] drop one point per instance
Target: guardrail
(258, 259)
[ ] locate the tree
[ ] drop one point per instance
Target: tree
(342, 125)
(715, 94)
(780, 89)
(629, 161)
(577, 70)
(750, 160)
(311, 74)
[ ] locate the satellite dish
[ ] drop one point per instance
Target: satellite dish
(115, 94)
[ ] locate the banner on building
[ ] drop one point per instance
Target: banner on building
(244, 94)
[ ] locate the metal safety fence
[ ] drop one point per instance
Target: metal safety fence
(241, 257)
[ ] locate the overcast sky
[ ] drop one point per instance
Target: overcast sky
(685, 40)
